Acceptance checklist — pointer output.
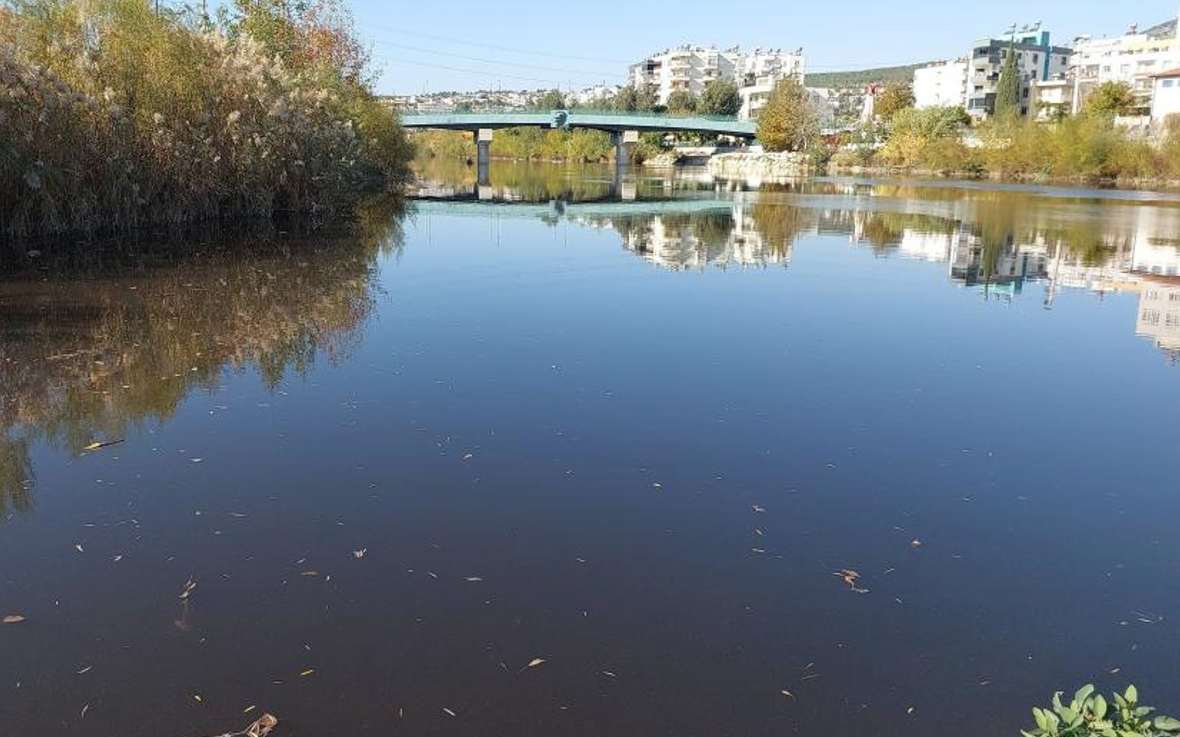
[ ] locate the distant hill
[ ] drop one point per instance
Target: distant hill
(881, 75)
(1163, 30)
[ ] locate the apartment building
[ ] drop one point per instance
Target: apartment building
(943, 84)
(1133, 58)
(1037, 59)
(690, 68)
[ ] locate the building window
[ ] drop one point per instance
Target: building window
(1169, 83)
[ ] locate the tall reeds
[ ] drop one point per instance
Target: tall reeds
(114, 117)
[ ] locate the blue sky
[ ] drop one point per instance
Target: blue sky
(432, 45)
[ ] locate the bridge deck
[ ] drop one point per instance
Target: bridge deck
(595, 120)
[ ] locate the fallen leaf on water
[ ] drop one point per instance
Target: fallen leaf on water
(909, 710)
(249, 709)
(788, 693)
(360, 553)
(609, 674)
(309, 573)
(473, 579)
(448, 711)
(13, 619)
(850, 577)
(198, 698)
(187, 590)
(468, 457)
(915, 543)
(85, 670)
(101, 444)
(307, 672)
(262, 727)
(535, 662)
(78, 547)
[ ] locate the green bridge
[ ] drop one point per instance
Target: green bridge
(623, 127)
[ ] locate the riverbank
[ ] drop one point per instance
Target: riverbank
(1128, 183)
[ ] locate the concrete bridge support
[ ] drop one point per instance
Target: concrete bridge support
(625, 142)
(483, 155)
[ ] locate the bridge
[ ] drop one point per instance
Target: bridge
(624, 128)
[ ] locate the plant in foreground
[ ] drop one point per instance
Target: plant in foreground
(1089, 714)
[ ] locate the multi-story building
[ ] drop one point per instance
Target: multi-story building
(1036, 57)
(1165, 100)
(1051, 97)
(1133, 58)
(690, 68)
(943, 84)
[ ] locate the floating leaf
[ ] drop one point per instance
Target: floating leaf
(13, 619)
(788, 693)
(100, 444)
(535, 662)
(262, 727)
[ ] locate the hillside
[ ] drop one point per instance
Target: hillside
(863, 77)
(1163, 30)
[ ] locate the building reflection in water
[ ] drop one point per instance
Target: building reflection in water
(999, 242)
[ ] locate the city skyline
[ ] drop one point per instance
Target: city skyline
(507, 49)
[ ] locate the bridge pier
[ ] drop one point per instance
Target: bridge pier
(483, 155)
(624, 142)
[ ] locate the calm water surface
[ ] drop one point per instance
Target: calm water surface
(634, 430)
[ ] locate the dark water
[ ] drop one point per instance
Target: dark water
(635, 432)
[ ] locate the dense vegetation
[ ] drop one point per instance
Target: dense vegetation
(1088, 146)
(882, 75)
(116, 115)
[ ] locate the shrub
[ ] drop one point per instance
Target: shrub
(1089, 714)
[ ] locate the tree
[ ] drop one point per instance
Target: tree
(551, 100)
(1111, 99)
(896, 97)
(789, 121)
(1008, 88)
(634, 99)
(720, 97)
(681, 102)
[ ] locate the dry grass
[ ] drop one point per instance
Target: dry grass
(113, 118)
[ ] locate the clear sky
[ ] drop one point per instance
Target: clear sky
(466, 45)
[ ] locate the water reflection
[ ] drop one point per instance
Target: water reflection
(999, 241)
(102, 342)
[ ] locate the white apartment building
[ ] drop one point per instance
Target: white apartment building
(1133, 58)
(943, 84)
(1165, 99)
(692, 67)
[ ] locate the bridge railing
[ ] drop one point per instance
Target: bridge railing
(576, 111)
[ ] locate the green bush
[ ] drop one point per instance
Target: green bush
(1089, 714)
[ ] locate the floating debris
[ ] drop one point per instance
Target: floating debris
(187, 590)
(851, 577)
(13, 619)
(98, 445)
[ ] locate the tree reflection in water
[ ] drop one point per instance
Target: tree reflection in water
(106, 341)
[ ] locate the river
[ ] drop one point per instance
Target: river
(570, 455)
